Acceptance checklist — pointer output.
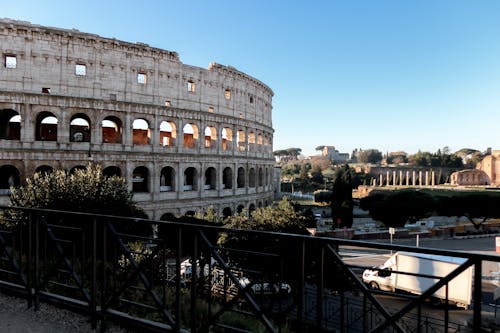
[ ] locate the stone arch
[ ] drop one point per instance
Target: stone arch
(111, 171)
(190, 179)
(259, 139)
(251, 177)
(44, 169)
(168, 217)
(227, 212)
(251, 141)
(167, 179)
(112, 130)
(140, 178)
(241, 140)
(210, 137)
(141, 134)
(190, 132)
(76, 167)
(46, 127)
(227, 138)
(240, 179)
(227, 178)
(79, 128)
(9, 176)
(240, 209)
(10, 125)
(251, 208)
(210, 179)
(168, 133)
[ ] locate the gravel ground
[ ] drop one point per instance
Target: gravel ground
(15, 317)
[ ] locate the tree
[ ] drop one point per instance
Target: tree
(283, 218)
(341, 202)
(87, 190)
(316, 174)
(472, 205)
(395, 208)
(372, 156)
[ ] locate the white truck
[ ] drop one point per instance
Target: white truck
(459, 289)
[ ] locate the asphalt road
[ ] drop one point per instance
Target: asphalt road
(490, 270)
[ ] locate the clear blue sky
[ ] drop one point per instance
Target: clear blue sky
(382, 74)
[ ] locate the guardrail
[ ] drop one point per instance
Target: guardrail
(165, 276)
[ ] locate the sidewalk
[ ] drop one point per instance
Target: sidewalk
(15, 317)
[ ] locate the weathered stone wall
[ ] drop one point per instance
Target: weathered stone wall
(66, 75)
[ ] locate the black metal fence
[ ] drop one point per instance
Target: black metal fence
(165, 276)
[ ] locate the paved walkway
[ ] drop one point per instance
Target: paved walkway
(15, 317)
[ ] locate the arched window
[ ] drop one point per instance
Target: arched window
(227, 178)
(190, 179)
(9, 176)
(141, 134)
(44, 169)
(226, 212)
(251, 177)
(79, 128)
(241, 140)
(251, 208)
(251, 141)
(190, 132)
(140, 179)
(210, 137)
(46, 127)
(111, 130)
(240, 181)
(227, 138)
(240, 208)
(259, 139)
(112, 171)
(76, 167)
(167, 133)
(10, 125)
(168, 217)
(167, 179)
(210, 179)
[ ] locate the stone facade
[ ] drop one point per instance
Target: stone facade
(469, 177)
(491, 166)
(184, 137)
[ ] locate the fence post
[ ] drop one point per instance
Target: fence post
(477, 294)
(93, 312)
(29, 261)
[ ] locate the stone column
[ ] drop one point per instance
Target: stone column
(433, 179)
(394, 178)
(400, 177)
(381, 180)
(388, 179)
(427, 178)
(420, 178)
(407, 178)
(414, 176)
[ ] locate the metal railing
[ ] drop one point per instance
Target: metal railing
(166, 276)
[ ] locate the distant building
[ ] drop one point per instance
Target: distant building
(334, 155)
(469, 177)
(491, 166)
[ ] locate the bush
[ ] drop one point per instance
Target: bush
(87, 190)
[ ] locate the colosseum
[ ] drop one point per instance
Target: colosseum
(185, 138)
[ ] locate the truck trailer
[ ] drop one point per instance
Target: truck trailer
(383, 278)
